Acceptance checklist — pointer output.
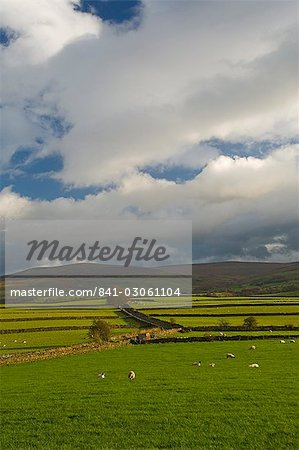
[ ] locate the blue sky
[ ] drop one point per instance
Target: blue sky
(116, 11)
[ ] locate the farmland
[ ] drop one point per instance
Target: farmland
(206, 312)
(62, 404)
(47, 319)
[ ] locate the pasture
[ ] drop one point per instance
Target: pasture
(16, 319)
(61, 404)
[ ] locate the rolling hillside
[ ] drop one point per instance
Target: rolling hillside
(226, 278)
(246, 278)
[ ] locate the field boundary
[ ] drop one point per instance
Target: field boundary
(261, 314)
(143, 318)
(32, 319)
(66, 328)
(18, 358)
(241, 328)
(219, 338)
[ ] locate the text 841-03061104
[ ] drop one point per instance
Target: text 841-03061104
(140, 292)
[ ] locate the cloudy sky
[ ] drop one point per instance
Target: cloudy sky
(155, 109)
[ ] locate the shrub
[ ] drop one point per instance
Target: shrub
(99, 331)
(250, 323)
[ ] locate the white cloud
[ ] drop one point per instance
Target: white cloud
(145, 96)
(228, 202)
(43, 28)
(190, 72)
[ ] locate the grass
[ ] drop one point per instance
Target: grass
(43, 340)
(280, 309)
(57, 323)
(40, 340)
(209, 321)
(237, 333)
(12, 313)
(68, 317)
(61, 404)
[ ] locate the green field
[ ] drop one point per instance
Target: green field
(43, 340)
(284, 333)
(83, 317)
(280, 309)
(236, 321)
(61, 404)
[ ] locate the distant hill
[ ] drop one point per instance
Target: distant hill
(246, 278)
(97, 270)
(224, 278)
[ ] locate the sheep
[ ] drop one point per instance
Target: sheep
(4, 345)
(15, 340)
(101, 375)
(270, 331)
(282, 341)
(292, 341)
(254, 365)
(253, 347)
(24, 342)
(212, 364)
(131, 375)
(230, 356)
(197, 363)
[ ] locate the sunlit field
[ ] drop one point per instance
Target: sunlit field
(61, 404)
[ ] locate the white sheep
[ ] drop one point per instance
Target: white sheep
(197, 363)
(212, 364)
(253, 347)
(292, 341)
(230, 356)
(254, 365)
(101, 375)
(24, 342)
(282, 341)
(131, 375)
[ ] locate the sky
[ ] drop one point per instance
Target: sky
(155, 110)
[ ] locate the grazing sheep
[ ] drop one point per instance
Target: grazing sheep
(253, 347)
(254, 365)
(15, 340)
(4, 345)
(220, 332)
(230, 356)
(197, 363)
(270, 331)
(212, 364)
(282, 341)
(292, 341)
(24, 342)
(131, 375)
(101, 375)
